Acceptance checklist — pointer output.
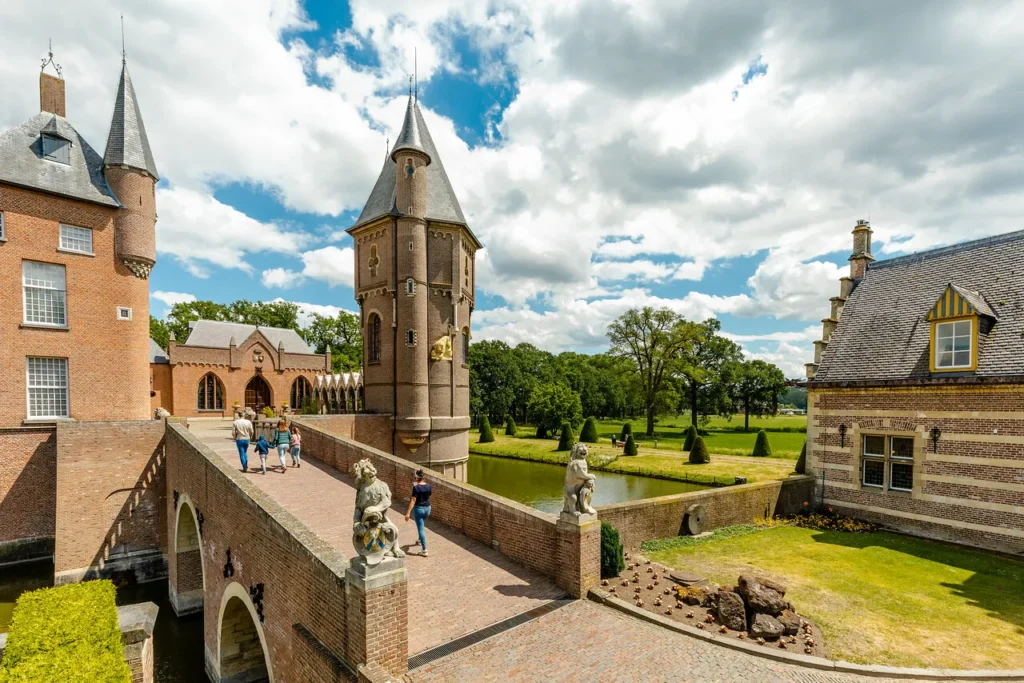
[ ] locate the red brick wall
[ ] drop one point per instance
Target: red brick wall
(110, 499)
(303, 576)
(27, 492)
(161, 388)
(379, 626)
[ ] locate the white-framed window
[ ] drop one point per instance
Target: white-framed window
(76, 239)
(2, 234)
(47, 381)
(893, 453)
(124, 313)
(44, 288)
(901, 463)
(410, 287)
(56, 149)
(953, 344)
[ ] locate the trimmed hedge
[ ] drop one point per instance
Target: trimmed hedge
(630, 447)
(486, 435)
(691, 435)
(762, 448)
(699, 453)
(510, 427)
(541, 432)
(801, 462)
(589, 432)
(63, 634)
(627, 429)
(612, 561)
(566, 437)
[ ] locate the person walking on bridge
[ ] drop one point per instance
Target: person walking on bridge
(282, 439)
(419, 508)
(296, 446)
(241, 432)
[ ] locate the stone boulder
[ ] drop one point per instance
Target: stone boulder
(790, 621)
(766, 627)
(760, 598)
(774, 585)
(731, 611)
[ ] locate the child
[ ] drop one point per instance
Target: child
(296, 444)
(282, 439)
(263, 448)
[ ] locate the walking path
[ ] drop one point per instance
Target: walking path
(461, 587)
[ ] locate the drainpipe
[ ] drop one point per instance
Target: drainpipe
(394, 334)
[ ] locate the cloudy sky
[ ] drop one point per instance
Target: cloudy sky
(709, 157)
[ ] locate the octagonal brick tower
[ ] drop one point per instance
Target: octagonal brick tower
(414, 282)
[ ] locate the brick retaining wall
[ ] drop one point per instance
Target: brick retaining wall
(28, 457)
(642, 520)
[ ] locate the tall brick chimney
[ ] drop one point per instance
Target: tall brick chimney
(51, 94)
(861, 256)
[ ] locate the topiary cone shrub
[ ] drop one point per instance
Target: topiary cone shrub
(801, 462)
(542, 433)
(630, 447)
(510, 427)
(486, 435)
(565, 439)
(691, 434)
(612, 561)
(762, 448)
(589, 432)
(627, 429)
(699, 453)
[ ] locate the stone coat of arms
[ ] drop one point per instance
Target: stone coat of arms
(373, 534)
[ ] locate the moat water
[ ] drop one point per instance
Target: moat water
(177, 642)
(539, 484)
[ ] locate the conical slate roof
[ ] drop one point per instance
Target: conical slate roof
(442, 204)
(127, 144)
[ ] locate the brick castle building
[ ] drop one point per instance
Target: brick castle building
(414, 282)
(916, 392)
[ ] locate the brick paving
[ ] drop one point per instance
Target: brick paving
(461, 587)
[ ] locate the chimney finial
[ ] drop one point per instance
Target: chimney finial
(49, 60)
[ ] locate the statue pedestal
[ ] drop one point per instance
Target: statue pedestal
(579, 558)
(377, 614)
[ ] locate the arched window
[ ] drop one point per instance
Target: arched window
(301, 390)
(373, 339)
(410, 286)
(211, 393)
(465, 345)
(373, 261)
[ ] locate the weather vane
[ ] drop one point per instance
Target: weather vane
(49, 60)
(124, 55)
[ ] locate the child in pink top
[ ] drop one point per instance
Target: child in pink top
(296, 447)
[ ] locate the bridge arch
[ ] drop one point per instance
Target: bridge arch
(242, 653)
(186, 590)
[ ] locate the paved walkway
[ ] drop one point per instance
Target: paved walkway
(461, 587)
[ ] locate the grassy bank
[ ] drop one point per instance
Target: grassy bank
(724, 436)
(879, 598)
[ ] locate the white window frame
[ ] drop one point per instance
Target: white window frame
(970, 344)
(3, 234)
(117, 312)
(25, 287)
(863, 472)
(887, 459)
(900, 460)
(72, 235)
(61, 363)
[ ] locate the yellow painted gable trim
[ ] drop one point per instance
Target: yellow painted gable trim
(974, 343)
(951, 305)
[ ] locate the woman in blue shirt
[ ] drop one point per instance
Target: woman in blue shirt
(419, 507)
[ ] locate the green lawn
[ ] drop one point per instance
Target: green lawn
(670, 464)
(724, 436)
(879, 598)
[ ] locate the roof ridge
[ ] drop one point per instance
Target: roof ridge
(949, 248)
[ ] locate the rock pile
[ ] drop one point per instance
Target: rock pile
(757, 605)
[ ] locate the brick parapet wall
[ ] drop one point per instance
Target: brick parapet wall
(642, 520)
(110, 500)
(28, 493)
(967, 488)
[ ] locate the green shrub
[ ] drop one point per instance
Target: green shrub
(589, 432)
(510, 427)
(486, 435)
(801, 462)
(62, 634)
(699, 453)
(612, 561)
(762, 449)
(566, 437)
(542, 432)
(268, 411)
(627, 429)
(691, 435)
(630, 447)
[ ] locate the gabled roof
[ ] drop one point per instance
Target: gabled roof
(127, 144)
(441, 202)
(956, 301)
(883, 333)
(22, 162)
(218, 335)
(157, 354)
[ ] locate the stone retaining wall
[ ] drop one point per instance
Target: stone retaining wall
(642, 520)
(28, 491)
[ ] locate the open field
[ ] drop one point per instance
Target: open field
(670, 464)
(878, 597)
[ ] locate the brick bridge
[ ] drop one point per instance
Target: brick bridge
(266, 560)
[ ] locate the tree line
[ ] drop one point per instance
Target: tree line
(658, 362)
(342, 332)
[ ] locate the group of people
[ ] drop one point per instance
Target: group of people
(287, 440)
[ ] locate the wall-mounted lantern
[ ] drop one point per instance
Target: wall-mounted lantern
(842, 436)
(935, 433)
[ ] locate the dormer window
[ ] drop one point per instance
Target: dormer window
(56, 149)
(956, 320)
(953, 347)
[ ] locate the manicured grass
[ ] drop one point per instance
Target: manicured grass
(650, 462)
(723, 436)
(879, 598)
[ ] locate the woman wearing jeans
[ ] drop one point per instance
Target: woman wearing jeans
(282, 439)
(419, 507)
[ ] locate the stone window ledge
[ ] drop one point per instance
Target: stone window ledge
(90, 254)
(41, 326)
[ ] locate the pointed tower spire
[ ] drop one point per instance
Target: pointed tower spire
(127, 144)
(410, 137)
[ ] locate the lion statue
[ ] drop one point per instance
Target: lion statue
(579, 484)
(373, 534)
